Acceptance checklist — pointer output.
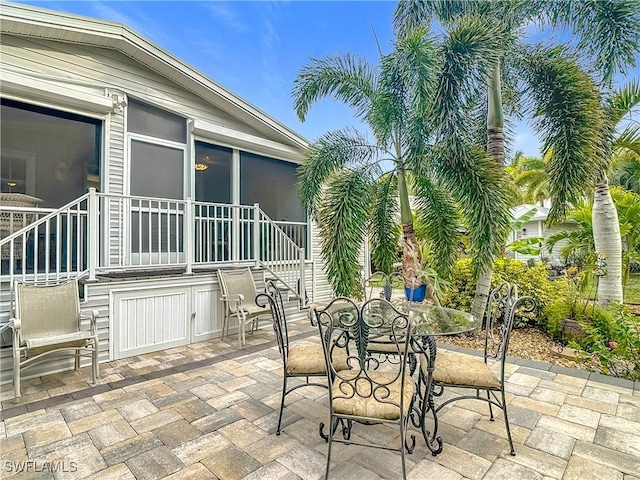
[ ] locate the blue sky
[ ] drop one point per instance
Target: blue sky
(256, 48)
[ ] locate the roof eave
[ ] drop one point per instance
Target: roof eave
(28, 21)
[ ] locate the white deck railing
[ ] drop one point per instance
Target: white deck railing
(102, 233)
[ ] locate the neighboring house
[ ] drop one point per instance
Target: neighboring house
(535, 228)
(147, 175)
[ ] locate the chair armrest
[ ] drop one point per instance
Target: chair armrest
(238, 299)
(9, 325)
(92, 315)
(16, 325)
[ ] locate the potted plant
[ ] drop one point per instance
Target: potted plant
(420, 283)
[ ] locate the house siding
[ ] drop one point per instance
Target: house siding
(538, 229)
(102, 296)
(102, 72)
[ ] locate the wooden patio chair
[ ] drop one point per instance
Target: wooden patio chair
(370, 392)
(47, 326)
(299, 360)
(239, 295)
(474, 373)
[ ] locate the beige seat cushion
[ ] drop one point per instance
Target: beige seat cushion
(386, 346)
(460, 369)
(308, 359)
(367, 406)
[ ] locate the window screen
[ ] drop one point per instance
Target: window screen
(48, 154)
(213, 173)
(272, 184)
(155, 122)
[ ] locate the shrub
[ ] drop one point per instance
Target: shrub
(612, 339)
(533, 281)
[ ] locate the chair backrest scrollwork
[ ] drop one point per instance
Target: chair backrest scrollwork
(272, 298)
(346, 327)
(503, 307)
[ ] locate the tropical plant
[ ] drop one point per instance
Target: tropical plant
(545, 83)
(525, 246)
(531, 280)
(612, 340)
(626, 171)
(414, 103)
(529, 175)
(579, 247)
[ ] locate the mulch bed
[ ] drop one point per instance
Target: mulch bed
(527, 343)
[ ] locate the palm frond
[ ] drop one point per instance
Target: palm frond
(623, 101)
(385, 230)
(480, 188)
(628, 141)
(342, 221)
(331, 153)
(608, 31)
(568, 116)
(470, 50)
(350, 78)
(439, 221)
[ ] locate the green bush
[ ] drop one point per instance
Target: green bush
(531, 280)
(612, 339)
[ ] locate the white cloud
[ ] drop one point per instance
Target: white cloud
(230, 17)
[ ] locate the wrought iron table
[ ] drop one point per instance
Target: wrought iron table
(429, 321)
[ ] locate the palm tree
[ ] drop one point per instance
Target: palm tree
(606, 226)
(556, 92)
(578, 243)
(529, 175)
(413, 102)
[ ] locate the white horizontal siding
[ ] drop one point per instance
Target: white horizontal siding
(113, 70)
(99, 296)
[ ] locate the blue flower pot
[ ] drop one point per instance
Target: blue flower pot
(417, 294)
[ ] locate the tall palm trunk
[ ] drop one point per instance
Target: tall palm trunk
(411, 254)
(495, 149)
(606, 237)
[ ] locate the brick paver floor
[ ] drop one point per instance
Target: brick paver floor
(209, 410)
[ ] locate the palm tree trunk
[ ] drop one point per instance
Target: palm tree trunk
(606, 237)
(495, 149)
(411, 254)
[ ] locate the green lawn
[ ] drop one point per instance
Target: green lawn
(632, 289)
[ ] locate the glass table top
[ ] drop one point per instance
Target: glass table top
(427, 319)
(433, 320)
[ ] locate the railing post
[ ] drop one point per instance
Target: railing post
(256, 234)
(235, 232)
(302, 277)
(190, 224)
(93, 225)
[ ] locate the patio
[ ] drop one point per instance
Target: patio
(209, 410)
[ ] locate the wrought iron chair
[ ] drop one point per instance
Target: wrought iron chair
(299, 360)
(47, 325)
(381, 285)
(391, 288)
(474, 373)
(370, 392)
(238, 294)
